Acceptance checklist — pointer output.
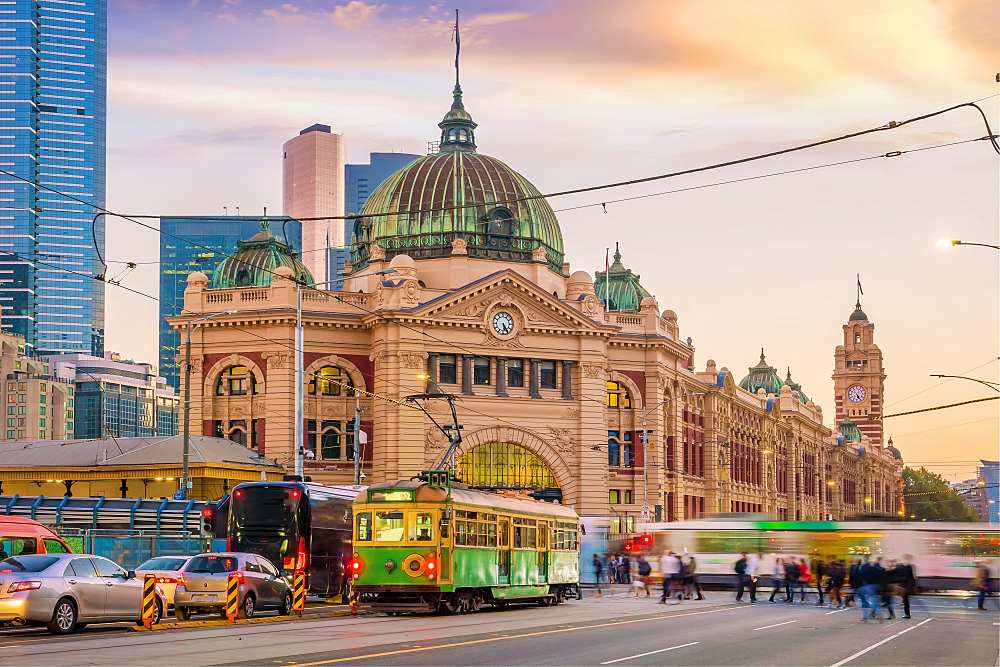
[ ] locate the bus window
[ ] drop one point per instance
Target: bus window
(363, 527)
(54, 547)
(388, 526)
(422, 529)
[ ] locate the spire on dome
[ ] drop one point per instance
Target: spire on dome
(457, 125)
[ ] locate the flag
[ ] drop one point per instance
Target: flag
(861, 292)
(458, 40)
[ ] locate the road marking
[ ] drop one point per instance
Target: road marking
(489, 640)
(774, 625)
(642, 655)
(877, 644)
(836, 611)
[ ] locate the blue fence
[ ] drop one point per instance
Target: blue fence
(131, 548)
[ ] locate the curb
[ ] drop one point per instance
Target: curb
(222, 623)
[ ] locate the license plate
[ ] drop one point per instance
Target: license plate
(206, 597)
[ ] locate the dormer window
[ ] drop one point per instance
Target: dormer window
(857, 338)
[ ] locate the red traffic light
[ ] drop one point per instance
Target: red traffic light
(647, 539)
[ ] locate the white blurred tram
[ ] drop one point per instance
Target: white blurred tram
(944, 554)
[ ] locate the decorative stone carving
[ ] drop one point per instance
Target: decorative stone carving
(278, 360)
(416, 360)
(195, 365)
(562, 439)
(539, 255)
(471, 310)
(489, 340)
(459, 247)
(591, 306)
(434, 440)
(593, 371)
(411, 293)
(376, 253)
(238, 410)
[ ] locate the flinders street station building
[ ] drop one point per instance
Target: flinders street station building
(574, 384)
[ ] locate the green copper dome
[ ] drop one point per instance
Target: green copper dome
(619, 288)
(457, 194)
(762, 376)
(255, 261)
(796, 387)
(850, 431)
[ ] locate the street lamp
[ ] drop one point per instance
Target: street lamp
(992, 385)
(950, 243)
(185, 476)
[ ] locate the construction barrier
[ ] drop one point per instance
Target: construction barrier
(233, 597)
(298, 592)
(148, 600)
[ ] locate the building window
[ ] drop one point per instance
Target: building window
(236, 381)
(481, 370)
(618, 396)
(857, 338)
(621, 451)
(627, 497)
(447, 370)
(330, 381)
(614, 496)
(515, 373)
(547, 374)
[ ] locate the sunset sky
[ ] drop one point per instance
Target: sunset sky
(202, 93)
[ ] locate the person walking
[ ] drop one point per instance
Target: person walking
(625, 571)
(644, 570)
(981, 584)
(598, 565)
(906, 577)
(778, 579)
(805, 578)
(690, 569)
(854, 580)
(818, 572)
(869, 578)
(740, 568)
(886, 589)
(835, 582)
(670, 568)
(791, 580)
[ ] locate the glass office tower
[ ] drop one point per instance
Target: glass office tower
(208, 240)
(53, 106)
(362, 179)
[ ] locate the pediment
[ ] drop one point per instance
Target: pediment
(536, 308)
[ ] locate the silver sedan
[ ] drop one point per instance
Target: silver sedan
(64, 592)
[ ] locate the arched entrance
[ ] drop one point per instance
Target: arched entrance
(504, 465)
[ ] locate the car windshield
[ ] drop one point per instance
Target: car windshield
(27, 563)
(212, 565)
(163, 563)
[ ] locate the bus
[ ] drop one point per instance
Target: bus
(421, 547)
(297, 526)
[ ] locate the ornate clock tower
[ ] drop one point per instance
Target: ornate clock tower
(858, 376)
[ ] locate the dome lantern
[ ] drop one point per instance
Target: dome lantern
(618, 288)
(256, 261)
(457, 126)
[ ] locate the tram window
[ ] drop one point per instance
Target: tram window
(388, 526)
(518, 537)
(363, 527)
(422, 529)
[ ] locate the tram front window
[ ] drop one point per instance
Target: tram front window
(422, 529)
(388, 526)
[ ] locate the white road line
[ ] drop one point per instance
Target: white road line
(836, 611)
(642, 655)
(765, 627)
(877, 644)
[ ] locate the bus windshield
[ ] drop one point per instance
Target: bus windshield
(263, 506)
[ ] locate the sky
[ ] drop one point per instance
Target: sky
(202, 94)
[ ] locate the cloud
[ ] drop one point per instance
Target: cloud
(354, 14)
(496, 18)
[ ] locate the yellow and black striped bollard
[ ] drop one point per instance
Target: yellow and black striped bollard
(233, 597)
(299, 592)
(148, 600)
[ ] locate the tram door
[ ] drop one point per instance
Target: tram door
(503, 551)
(543, 551)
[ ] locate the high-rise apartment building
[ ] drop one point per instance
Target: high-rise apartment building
(207, 240)
(39, 406)
(362, 179)
(117, 398)
(313, 186)
(53, 102)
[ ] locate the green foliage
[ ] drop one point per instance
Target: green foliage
(928, 496)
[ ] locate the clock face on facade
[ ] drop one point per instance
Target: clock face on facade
(503, 323)
(856, 393)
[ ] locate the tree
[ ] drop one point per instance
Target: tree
(929, 497)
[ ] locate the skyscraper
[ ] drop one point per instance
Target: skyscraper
(313, 186)
(362, 179)
(53, 69)
(207, 241)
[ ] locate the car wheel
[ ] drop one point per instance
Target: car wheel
(286, 604)
(80, 626)
(63, 617)
(182, 614)
(158, 613)
(248, 607)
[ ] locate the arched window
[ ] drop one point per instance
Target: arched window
(618, 396)
(500, 220)
(463, 135)
(236, 381)
(239, 436)
(330, 381)
(504, 465)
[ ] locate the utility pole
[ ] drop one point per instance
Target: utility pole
(357, 442)
(299, 386)
(185, 480)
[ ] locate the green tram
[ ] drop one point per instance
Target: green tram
(425, 547)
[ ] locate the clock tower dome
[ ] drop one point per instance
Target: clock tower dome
(858, 377)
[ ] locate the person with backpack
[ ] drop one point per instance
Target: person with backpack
(835, 582)
(745, 569)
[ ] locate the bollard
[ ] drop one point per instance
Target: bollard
(299, 592)
(232, 597)
(148, 600)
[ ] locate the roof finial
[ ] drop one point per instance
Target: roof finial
(762, 354)
(458, 50)
(788, 376)
(618, 254)
(860, 292)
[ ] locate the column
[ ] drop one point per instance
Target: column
(567, 380)
(501, 382)
(467, 374)
(533, 382)
(432, 371)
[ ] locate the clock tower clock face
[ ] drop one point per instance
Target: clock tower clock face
(503, 323)
(856, 393)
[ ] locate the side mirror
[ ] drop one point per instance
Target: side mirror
(130, 574)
